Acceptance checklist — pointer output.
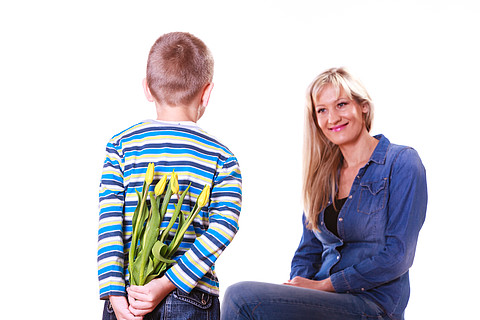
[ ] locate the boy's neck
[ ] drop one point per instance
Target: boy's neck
(177, 113)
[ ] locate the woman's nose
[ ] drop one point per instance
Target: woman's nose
(333, 116)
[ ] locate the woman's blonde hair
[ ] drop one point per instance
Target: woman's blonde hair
(321, 158)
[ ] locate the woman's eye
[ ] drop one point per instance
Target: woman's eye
(320, 110)
(342, 104)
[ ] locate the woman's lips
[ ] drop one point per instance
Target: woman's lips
(338, 128)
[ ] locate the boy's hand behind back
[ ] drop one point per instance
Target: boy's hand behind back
(144, 299)
(120, 306)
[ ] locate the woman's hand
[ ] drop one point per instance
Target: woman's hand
(120, 307)
(144, 299)
(323, 285)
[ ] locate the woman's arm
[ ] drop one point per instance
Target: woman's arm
(308, 258)
(406, 214)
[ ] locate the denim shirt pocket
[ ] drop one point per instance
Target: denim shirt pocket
(373, 196)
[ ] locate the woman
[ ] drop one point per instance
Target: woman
(365, 201)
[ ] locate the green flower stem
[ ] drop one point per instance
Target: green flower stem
(174, 216)
(137, 225)
(150, 237)
(175, 244)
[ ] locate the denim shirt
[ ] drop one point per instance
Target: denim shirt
(378, 227)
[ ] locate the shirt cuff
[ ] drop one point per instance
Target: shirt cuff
(340, 282)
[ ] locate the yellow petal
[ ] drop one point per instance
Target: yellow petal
(160, 187)
(203, 197)
(174, 182)
(150, 173)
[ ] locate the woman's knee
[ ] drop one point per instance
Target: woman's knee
(240, 291)
(238, 299)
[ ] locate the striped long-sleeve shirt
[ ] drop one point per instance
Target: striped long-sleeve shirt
(197, 158)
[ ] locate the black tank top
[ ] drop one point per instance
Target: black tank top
(331, 216)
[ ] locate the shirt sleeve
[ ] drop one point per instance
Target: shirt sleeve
(110, 257)
(406, 214)
(224, 210)
(308, 258)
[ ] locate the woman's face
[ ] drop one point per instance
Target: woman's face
(340, 118)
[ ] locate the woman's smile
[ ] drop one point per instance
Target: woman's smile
(338, 127)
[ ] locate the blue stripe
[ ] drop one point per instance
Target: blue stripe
(110, 235)
(227, 223)
(218, 239)
(170, 130)
(174, 148)
(112, 182)
(111, 254)
(177, 165)
(117, 274)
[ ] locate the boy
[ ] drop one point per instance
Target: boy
(179, 82)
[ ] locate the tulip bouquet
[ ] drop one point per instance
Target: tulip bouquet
(149, 254)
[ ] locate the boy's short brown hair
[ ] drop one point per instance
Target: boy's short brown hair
(179, 66)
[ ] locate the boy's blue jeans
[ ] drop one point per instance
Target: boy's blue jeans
(179, 306)
(256, 300)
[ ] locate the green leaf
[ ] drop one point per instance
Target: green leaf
(159, 249)
(149, 239)
(150, 267)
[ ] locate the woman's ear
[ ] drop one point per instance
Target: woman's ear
(147, 92)
(365, 107)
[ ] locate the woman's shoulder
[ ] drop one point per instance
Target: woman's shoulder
(399, 154)
(405, 158)
(403, 151)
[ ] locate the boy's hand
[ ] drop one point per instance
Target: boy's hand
(120, 306)
(144, 299)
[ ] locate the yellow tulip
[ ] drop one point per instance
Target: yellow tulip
(160, 187)
(174, 182)
(150, 173)
(203, 197)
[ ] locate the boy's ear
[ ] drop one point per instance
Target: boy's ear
(206, 94)
(146, 90)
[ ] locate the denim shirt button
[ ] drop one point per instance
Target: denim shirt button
(338, 257)
(350, 197)
(363, 289)
(340, 219)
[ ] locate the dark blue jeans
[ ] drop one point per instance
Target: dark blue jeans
(259, 301)
(179, 306)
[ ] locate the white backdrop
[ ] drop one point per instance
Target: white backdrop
(70, 78)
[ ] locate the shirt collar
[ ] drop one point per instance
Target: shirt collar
(380, 153)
